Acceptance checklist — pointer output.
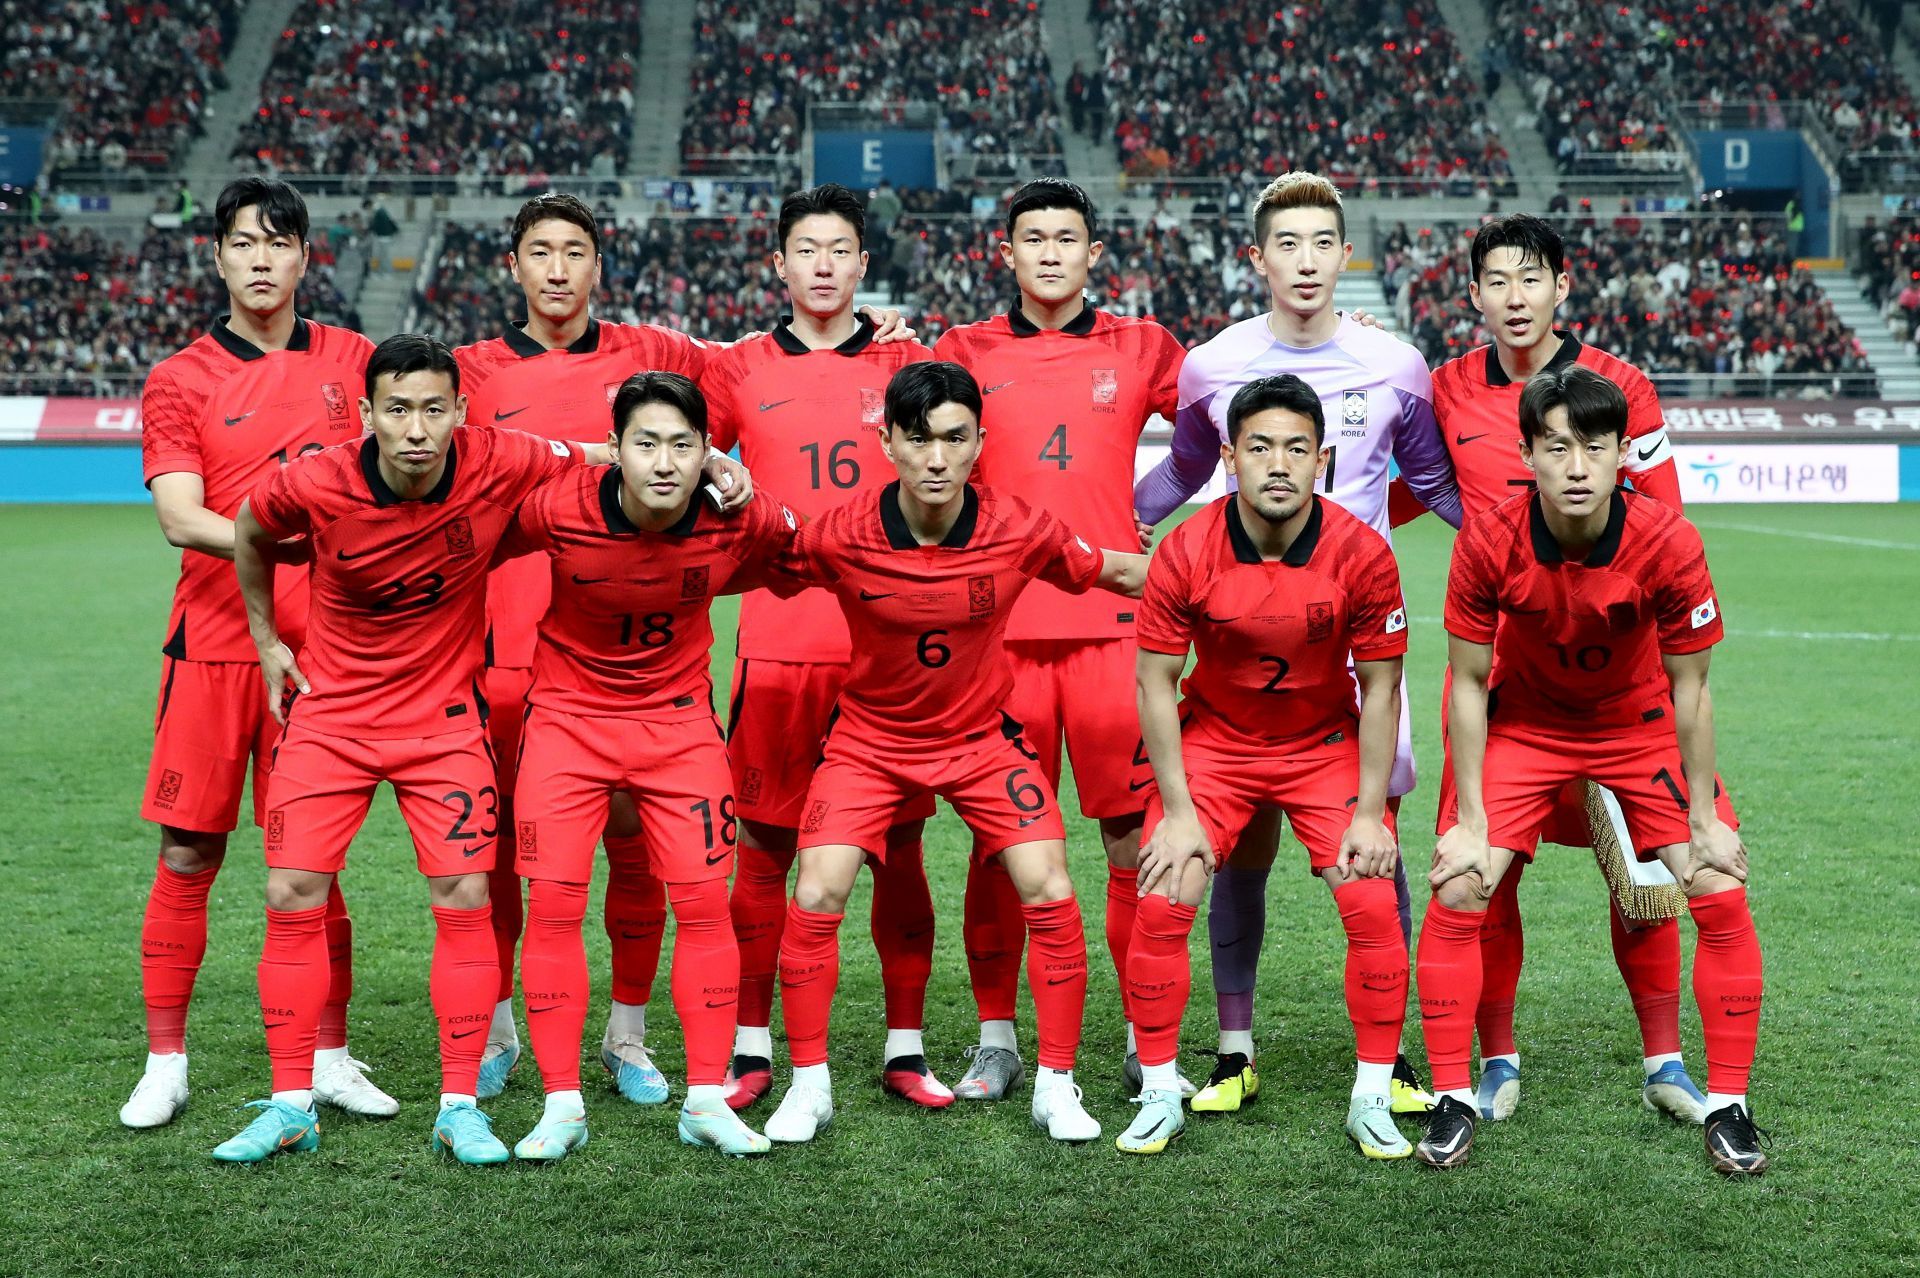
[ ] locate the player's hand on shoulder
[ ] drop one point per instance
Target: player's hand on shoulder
(1460, 852)
(889, 325)
(1368, 849)
(1365, 319)
(1176, 840)
(1717, 847)
(731, 478)
(1145, 530)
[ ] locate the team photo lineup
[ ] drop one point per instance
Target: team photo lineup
(483, 574)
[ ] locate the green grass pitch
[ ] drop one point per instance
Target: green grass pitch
(1817, 701)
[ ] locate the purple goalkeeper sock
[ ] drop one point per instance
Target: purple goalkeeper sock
(1236, 926)
(1405, 899)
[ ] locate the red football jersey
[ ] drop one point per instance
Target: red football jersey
(515, 382)
(930, 667)
(1578, 644)
(808, 425)
(1273, 636)
(627, 632)
(1063, 412)
(397, 635)
(231, 413)
(1478, 407)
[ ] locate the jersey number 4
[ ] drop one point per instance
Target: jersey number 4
(1055, 449)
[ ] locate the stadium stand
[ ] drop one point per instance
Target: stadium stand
(1245, 90)
(505, 88)
(1686, 296)
(1888, 265)
(131, 77)
(757, 66)
(88, 316)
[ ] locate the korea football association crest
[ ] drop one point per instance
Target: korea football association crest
(334, 396)
(459, 538)
(873, 405)
(979, 598)
(1106, 389)
(1353, 412)
(693, 582)
(1319, 621)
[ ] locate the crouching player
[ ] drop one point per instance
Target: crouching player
(621, 702)
(1585, 583)
(1275, 587)
(403, 523)
(927, 572)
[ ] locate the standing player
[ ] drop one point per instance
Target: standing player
(261, 387)
(1554, 603)
(1278, 589)
(804, 405)
(1068, 390)
(1518, 279)
(403, 524)
(926, 571)
(621, 703)
(1378, 401)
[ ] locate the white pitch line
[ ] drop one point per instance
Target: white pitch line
(1859, 636)
(1872, 542)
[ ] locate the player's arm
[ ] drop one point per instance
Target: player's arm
(1711, 843)
(1368, 848)
(253, 563)
(1649, 459)
(179, 502)
(1420, 450)
(1191, 459)
(1122, 573)
(1179, 837)
(1463, 849)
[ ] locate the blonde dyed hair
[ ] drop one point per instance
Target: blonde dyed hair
(1297, 190)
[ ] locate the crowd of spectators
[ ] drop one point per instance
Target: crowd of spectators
(1887, 262)
(981, 67)
(87, 315)
(130, 77)
(1690, 296)
(1373, 93)
(446, 87)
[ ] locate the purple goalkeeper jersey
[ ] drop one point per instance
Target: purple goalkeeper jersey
(1378, 398)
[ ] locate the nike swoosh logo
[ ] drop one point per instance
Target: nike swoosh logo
(868, 596)
(1643, 453)
(1751, 1011)
(635, 936)
(294, 1139)
(998, 386)
(467, 1033)
(1027, 821)
(1062, 980)
(1139, 785)
(1468, 439)
(277, 1024)
(720, 856)
(725, 1002)
(1156, 1130)
(765, 407)
(532, 1011)
(1148, 998)
(344, 556)
(578, 580)
(235, 421)
(1227, 945)
(1377, 989)
(499, 416)
(1458, 1136)
(473, 853)
(1218, 621)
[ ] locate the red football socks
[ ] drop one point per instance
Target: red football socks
(509, 915)
(1727, 985)
(333, 1017)
(1057, 974)
(293, 988)
(809, 973)
(994, 931)
(1449, 975)
(553, 976)
(759, 910)
(706, 977)
(1649, 962)
(1159, 975)
(902, 926)
(173, 942)
(463, 984)
(636, 916)
(1502, 951)
(1123, 903)
(1376, 976)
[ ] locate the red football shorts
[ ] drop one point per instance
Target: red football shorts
(993, 782)
(1315, 785)
(776, 730)
(505, 688)
(321, 787)
(676, 771)
(212, 722)
(1082, 690)
(1526, 769)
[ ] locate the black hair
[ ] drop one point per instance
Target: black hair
(830, 199)
(918, 389)
(651, 387)
(282, 211)
(405, 353)
(554, 206)
(1595, 406)
(1538, 242)
(1050, 193)
(1282, 390)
